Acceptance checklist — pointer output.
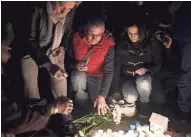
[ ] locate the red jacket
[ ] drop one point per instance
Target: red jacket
(95, 65)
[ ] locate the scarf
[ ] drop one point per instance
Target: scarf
(58, 32)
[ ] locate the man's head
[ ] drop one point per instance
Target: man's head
(95, 30)
(62, 8)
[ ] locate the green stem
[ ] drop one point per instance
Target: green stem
(82, 118)
(98, 126)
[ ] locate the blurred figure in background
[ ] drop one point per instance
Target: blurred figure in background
(181, 31)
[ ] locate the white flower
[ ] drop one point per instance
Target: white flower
(116, 114)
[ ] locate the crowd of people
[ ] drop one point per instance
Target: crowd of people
(90, 64)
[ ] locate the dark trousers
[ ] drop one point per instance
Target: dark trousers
(86, 89)
(184, 84)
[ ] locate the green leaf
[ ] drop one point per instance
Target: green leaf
(81, 134)
(94, 123)
(84, 130)
(76, 135)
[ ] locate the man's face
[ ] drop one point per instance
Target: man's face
(133, 33)
(95, 33)
(62, 9)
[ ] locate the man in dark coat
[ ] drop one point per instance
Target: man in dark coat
(181, 31)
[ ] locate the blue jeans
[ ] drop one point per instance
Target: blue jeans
(86, 89)
(140, 87)
(184, 84)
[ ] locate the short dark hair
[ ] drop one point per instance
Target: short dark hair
(95, 22)
(53, 3)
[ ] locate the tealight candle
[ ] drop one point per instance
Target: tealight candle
(100, 131)
(121, 132)
(109, 131)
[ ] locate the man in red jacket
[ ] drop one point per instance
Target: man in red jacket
(94, 53)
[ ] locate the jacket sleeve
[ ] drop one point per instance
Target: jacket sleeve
(108, 72)
(117, 68)
(36, 52)
(156, 57)
(67, 38)
(32, 119)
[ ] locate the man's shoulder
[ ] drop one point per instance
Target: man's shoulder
(108, 40)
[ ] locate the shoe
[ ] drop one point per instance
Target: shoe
(183, 117)
(144, 109)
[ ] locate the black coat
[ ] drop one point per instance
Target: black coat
(130, 58)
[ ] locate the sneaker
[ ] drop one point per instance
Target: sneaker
(144, 109)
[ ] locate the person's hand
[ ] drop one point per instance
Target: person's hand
(81, 66)
(57, 52)
(169, 43)
(60, 74)
(101, 105)
(141, 71)
(66, 108)
(56, 71)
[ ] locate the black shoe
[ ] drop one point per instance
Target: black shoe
(183, 117)
(144, 109)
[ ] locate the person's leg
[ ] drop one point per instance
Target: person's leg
(130, 95)
(184, 84)
(129, 92)
(59, 87)
(144, 87)
(30, 76)
(78, 81)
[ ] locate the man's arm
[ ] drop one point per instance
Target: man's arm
(36, 52)
(108, 72)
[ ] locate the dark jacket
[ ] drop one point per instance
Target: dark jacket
(182, 20)
(130, 58)
(33, 118)
(41, 33)
(101, 62)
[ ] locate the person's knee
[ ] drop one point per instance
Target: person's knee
(130, 98)
(78, 80)
(129, 92)
(29, 70)
(144, 84)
